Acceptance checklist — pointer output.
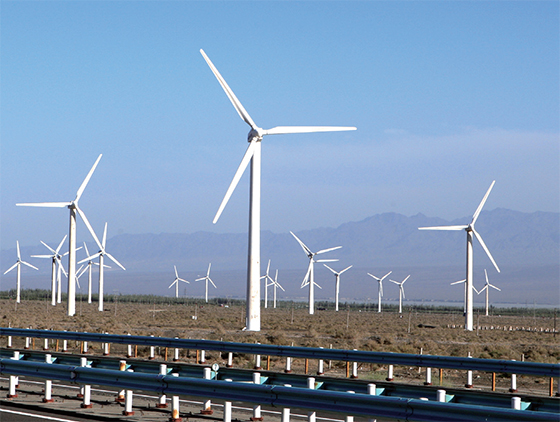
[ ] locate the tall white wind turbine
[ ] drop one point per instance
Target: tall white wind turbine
(55, 256)
(401, 291)
(379, 288)
(102, 254)
(470, 232)
(207, 279)
(89, 268)
(253, 155)
(74, 209)
(18, 272)
(337, 283)
(487, 288)
(176, 282)
(309, 278)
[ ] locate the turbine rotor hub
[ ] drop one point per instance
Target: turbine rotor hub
(255, 135)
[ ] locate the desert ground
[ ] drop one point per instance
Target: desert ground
(522, 337)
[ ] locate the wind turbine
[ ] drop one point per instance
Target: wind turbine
(269, 281)
(464, 281)
(379, 288)
(176, 282)
(74, 209)
(486, 287)
(55, 256)
(101, 254)
(276, 284)
(18, 265)
(309, 278)
(207, 279)
(401, 291)
(337, 283)
(253, 155)
(470, 232)
(89, 268)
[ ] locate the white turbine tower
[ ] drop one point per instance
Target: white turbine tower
(276, 284)
(176, 282)
(337, 283)
(269, 281)
(207, 279)
(486, 287)
(101, 254)
(379, 288)
(74, 209)
(89, 268)
(464, 281)
(55, 256)
(253, 155)
(401, 291)
(309, 278)
(18, 277)
(470, 232)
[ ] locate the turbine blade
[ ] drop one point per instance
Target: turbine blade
(371, 275)
(104, 240)
(11, 268)
(17, 248)
(61, 267)
(485, 249)
(481, 290)
(486, 274)
(171, 285)
(89, 258)
(477, 212)
(328, 250)
(396, 282)
(303, 246)
(176, 274)
(41, 256)
(45, 204)
(208, 273)
(29, 265)
(48, 247)
(386, 275)
(86, 222)
(498, 289)
(240, 170)
(326, 260)
(184, 281)
(86, 180)
(112, 258)
(60, 244)
(407, 277)
(443, 228)
(281, 130)
(457, 282)
(210, 280)
(317, 285)
(236, 103)
(346, 269)
(334, 272)
(200, 279)
(85, 247)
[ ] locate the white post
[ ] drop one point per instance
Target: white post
(128, 403)
(516, 403)
(27, 343)
(428, 376)
(320, 368)
(152, 351)
(257, 408)
(257, 362)
(46, 344)
(311, 416)
(389, 373)
(48, 383)
(162, 399)
(85, 346)
(13, 380)
(229, 360)
(176, 355)
(348, 417)
(175, 414)
(85, 390)
(371, 390)
(65, 344)
(227, 408)
(129, 349)
(106, 348)
(121, 396)
(286, 410)
(9, 342)
(202, 356)
(354, 369)
(207, 407)
(513, 388)
(288, 365)
(469, 383)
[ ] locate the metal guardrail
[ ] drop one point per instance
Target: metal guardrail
(274, 396)
(386, 358)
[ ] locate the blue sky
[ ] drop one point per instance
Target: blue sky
(446, 96)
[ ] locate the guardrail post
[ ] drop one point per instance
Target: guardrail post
(320, 369)
(27, 342)
(288, 365)
(128, 402)
(13, 380)
(128, 349)
(163, 398)
(371, 390)
(202, 356)
(105, 347)
(176, 355)
(9, 346)
(152, 351)
(48, 383)
(121, 396)
(348, 417)
(428, 376)
(85, 390)
(311, 416)
(516, 403)
(46, 344)
(175, 414)
(440, 376)
(258, 362)
(227, 408)
(441, 396)
(286, 410)
(354, 368)
(389, 373)
(513, 388)
(229, 363)
(257, 408)
(84, 345)
(469, 383)
(207, 407)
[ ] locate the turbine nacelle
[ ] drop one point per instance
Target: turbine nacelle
(255, 134)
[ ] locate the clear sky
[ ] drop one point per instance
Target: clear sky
(446, 96)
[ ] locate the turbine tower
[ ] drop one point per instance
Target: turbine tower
(309, 278)
(401, 291)
(337, 283)
(470, 232)
(379, 288)
(207, 279)
(486, 287)
(18, 272)
(55, 256)
(176, 282)
(269, 281)
(74, 209)
(253, 155)
(276, 284)
(464, 281)
(101, 254)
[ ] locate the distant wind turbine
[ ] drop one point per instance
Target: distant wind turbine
(379, 288)
(176, 282)
(401, 291)
(486, 287)
(470, 232)
(464, 281)
(269, 281)
(55, 256)
(74, 209)
(276, 284)
(253, 155)
(337, 283)
(207, 279)
(309, 278)
(18, 272)
(101, 254)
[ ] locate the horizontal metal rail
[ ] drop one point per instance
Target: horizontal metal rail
(385, 358)
(275, 396)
